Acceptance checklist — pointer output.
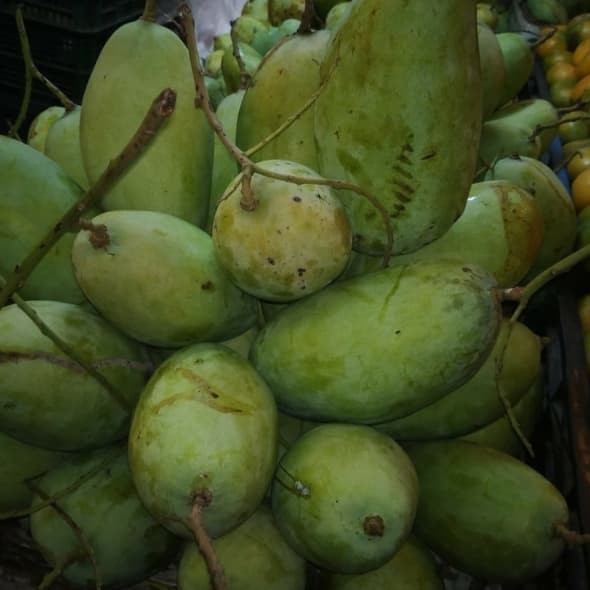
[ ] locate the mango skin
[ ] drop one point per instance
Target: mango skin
(501, 230)
(158, 281)
(477, 402)
(205, 421)
(254, 556)
(295, 242)
(46, 399)
(492, 69)
(173, 175)
(519, 62)
(128, 544)
(366, 476)
(555, 203)
(354, 351)
(415, 151)
(271, 99)
(34, 195)
(231, 69)
(63, 146)
(281, 10)
(500, 434)
(19, 462)
(411, 568)
(41, 125)
(485, 512)
(337, 15)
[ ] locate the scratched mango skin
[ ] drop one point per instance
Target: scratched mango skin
(205, 421)
(46, 399)
(376, 126)
(354, 352)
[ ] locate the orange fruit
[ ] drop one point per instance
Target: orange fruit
(583, 66)
(557, 41)
(581, 51)
(561, 93)
(574, 126)
(561, 71)
(556, 57)
(579, 162)
(580, 88)
(581, 190)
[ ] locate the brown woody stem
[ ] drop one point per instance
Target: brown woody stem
(161, 109)
(571, 538)
(307, 18)
(28, 60)
(201, 500)
(99, 235)
(245, 77)
(149, 11)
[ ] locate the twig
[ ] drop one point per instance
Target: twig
(57, 571)
(544, 37)
(571, 538)
(567, 161)
(69, 351)
(195, 523)
(245, 77)
(574, 107)
(26, 51)
(307, 18)
(67, 490)
(161, 109)
(248, 201)
(75, 529)
(150, 11)
(68, 104)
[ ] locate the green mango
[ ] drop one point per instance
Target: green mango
(20, 462)
(35, 193)
(487, 15)
(500, 434)
(246, 27)
(501, 229)
(577, 29)
(270, 100)
(318, 353)
(63, 146)
(411, 568)
(47, 399)
(213, 63)
(264, 40)
(492, 69)
(337, 15)
(223, 42)
(281, 10)
(256, 8)
(555, 203)
(421, 168)
(477, 402)
(548, 11)
(519, 61)
(486, 513)
(344, 497)
(173, 294)
(216, 90)
(289, 27)
(583, 232)
(225, 167)
(173, 175)
(323, 7)
(231, 69)
(254, 556)
(128, 544)
(40, 126)
(205, 423)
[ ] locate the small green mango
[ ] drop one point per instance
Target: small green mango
(319, 353)
(492, 69)
(216, 90)
(127, 543)
(205, 423)
(344, 497)
(254, 556)
(20, 462)
(256, 8)
(173, 294)
(500, 434)
(246, 27)
(231, 69)
(271, 100)
(554, 201)
(264, 41)
(486, 513)
(519, 61)
(295, 242)
(281, 10)
(223, 42)
(337, 15)
(63, 146)
(35, 193)
(41, 125)
(213, 63)
(548, 11)
(411, 568)
(47, 399)
(139, 60)
(477, 402)
(323, 7)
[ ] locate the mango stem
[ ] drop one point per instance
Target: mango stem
(99, 235)
(149, 11)
(57, 571)
(28, 60)
(201, 500)
(245, 77)
(160, 109)
(307, 18)
(571, 538)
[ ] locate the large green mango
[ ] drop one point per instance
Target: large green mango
(356, 351)
(47, 399)
(411, 568)
(477, 402)
(158, 280)
(35, 193)
(254, 557)
(492, 69)
(553, 199)
(519, 61)
(486, 513)
(271, 100)
(173, 175)
(401, 116)
(128, 544)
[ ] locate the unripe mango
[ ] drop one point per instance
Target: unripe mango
(371, 334)
(281, 10)
(41, 125)
(492, 69)
(519, 61)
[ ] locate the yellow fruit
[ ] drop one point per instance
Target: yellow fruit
(579, 163)
(584, 312)
(581, 190)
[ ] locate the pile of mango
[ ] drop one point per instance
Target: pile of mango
(309, 358)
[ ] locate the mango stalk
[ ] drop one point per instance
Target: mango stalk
(160, 109)
(26, 50)
(245, 77)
